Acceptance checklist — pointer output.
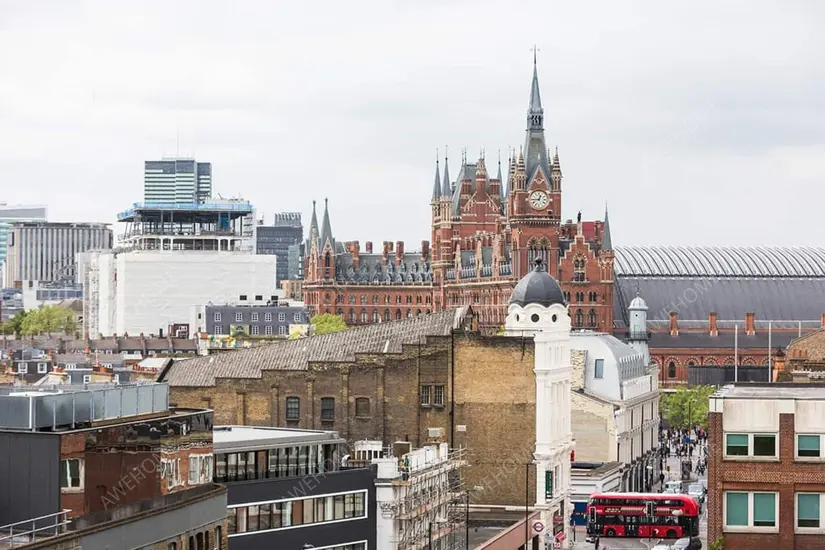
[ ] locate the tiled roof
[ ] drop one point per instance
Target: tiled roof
(296, 354)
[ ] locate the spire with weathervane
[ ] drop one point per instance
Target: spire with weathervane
(607, 245)
(535, 150)
(327, 239)
(437, 183)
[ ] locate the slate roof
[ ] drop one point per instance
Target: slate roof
(296, 354)
(725, 340)
(412, 269)
(538, 287)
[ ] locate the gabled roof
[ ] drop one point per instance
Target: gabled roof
(297, 354)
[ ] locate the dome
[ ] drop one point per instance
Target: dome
(538, 287)
(637, 303)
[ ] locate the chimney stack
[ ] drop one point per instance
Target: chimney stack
(425, 249)
(822, 320)
(369, 247)
(354, 248)
(387, 248)
(750, 324)
(674, 323)
(714, 330)
(399, 249)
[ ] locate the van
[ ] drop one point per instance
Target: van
(673, 487)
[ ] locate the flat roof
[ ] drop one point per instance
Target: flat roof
(243, 438)
(598, 471)
(772, 391)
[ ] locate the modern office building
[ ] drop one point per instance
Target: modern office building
(107, 466)
(47, 251)
(286, 489)
(177, 180)
(251, 319)
(172, 258)
(766, 483)
(295, 262)
(276, 239)
(12, 213)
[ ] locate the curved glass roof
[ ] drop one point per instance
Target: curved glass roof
(719, 261)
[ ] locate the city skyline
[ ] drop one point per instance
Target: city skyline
(688, 132)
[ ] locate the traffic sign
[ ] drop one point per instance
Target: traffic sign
(556, 545)
(538, 526)
(560, 536)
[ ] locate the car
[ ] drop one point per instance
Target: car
(697, 491)
(687, 543)
(673, 487)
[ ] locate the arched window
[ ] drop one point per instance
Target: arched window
(352, 298)
(375, 299)
(364, 317)
(363, 299)
(387, 315)
(352, 316)
(579, 318)
(397, 314)
(376, 317)
(671, 370)
(578, 270)
(591, 318)
(409, 314)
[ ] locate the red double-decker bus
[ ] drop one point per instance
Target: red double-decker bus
(642, 515)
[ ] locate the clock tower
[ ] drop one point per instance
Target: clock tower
(535, 194)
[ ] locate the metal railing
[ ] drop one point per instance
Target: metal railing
(26, 531)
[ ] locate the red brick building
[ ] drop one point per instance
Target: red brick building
(766, 482)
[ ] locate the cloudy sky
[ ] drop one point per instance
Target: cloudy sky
(699, 123)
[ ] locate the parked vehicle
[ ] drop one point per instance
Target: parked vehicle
(687, 543)
(697, 491)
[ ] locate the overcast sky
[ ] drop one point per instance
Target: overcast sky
(699, 123)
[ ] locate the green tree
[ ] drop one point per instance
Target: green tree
(16, 322)
(501, 331)
(718, 544)
(6, 329)
(327, 323)
(687, 407)
(48, 319)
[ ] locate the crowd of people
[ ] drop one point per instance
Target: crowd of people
(691, 445)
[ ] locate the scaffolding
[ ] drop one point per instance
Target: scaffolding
(428, 509)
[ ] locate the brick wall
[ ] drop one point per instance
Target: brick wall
(73, 445)
(785, 477)
(592, 423)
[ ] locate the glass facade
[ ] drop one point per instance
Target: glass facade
(279, 514)
(289, 461)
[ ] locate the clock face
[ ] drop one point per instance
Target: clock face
(538, 200)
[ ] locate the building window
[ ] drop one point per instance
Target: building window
(671, 370)
(200, 469)
(71, 366)
(750, 511)
(217, 317)
(242, 297)
(116, 379)
(363, 300)
(425, 396)
(808, 511)
(599, 370)
(750, 445)
(170, 469)
(172, 546)
(22, 368)
(282, 330)
(327, 409)
(387, 315)
(351, 299)
(87, 378)
(267, 317)
(362, 406)
(808, 446)
(438, 396)
(579, 318)
(591, 318)
(398, 299)
(293, 408)
(42, 368)
(253, 330)
(578, 270)
(397, 314)
(282, 317)
(218, 330)
(363, 316)
(71, 473)
(239, 317)
(296, 318)
(296, 512)
(268, 330)
(254, 318)
(259, 298)
(376, 317)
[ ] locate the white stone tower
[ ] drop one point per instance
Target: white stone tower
(538, 308)
(638, 327)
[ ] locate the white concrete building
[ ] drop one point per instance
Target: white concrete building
(615, 403)
(537, 307)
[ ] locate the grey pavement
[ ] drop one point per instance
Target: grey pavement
(645, 544)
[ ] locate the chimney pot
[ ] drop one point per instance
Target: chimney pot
(368, 246)
(674, 323)
(822, 320)
(750, 324)
(399, 248)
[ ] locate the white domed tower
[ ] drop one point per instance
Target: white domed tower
(538, 309)
(638, 327)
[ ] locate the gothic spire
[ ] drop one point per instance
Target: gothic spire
(535, 94)
(607, 245)
(313, 225)
(437, 183)
(498, 176)
(326, 229)
(446, 190)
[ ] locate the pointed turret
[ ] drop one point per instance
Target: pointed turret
(437, 183)
(313, 229)
(607, 245)
(511, 173)
(535, 94)
(326, 229)
(536, 154)
(555, 172)
(446, 187)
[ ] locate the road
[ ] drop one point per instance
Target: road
(642, 544)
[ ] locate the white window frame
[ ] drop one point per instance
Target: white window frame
(296, 317)
(42, 368)
(808, 530)
(268, 330)
(202, 471)
(239, 317)
(81, 474)
(254, 330)
(820, 458)
(267, 317)
(750, 456)
(107, 365)
(171, 471)
(750, 528)
(281, 330)
(22, 368)
(71, 366)
(87, 378)
(253, 317)
(217, 317)
(435, 394)
(218, 330)
(281, 317)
